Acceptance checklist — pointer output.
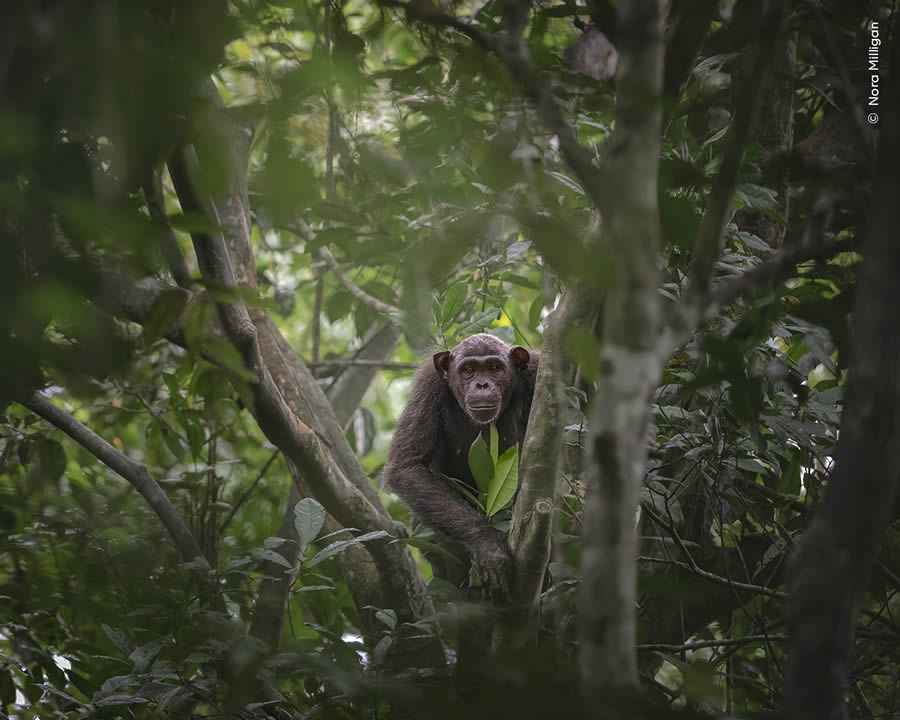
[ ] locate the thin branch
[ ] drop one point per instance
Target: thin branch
(700, 644)
(248, 492)
(718, 579)
(513, 52)
(361, 362)
(354, 289)
(136, 474)
(669, 528)
(317, 314)
(425, 13)
(773, 271)
(709, 240)
(686, 317)
(156, 205)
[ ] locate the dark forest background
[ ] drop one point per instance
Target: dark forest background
(231, 230)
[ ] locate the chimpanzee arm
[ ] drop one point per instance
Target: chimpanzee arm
(419, 433)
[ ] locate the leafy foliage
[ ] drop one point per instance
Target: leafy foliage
(412, 156)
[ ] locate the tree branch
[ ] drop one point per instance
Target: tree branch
(630, 365)
(772, 272)
(349, 504)
(347, 391)
(156, 205)
(136, 474)
(354, 289)
(512, 50)
(685, 318)
(831, 566)
(530, 526)
(709, 240)
(700, 644)
(718, 579)
(363, 362)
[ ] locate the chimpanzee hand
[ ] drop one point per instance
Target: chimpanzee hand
(491, 557)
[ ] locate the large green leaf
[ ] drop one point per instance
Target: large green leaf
(481, 464)
(505, 481)
(164, 314)
(309, 516)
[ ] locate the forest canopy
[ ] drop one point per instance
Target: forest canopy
(232, 230)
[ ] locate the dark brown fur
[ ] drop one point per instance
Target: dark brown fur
(435, 431)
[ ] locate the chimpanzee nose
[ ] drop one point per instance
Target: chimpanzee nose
(481, 385)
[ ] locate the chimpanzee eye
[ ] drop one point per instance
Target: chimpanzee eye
(468, 371)
(496, 368)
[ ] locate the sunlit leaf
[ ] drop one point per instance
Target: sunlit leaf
(481, 464)
(504, 483)
(309, 517)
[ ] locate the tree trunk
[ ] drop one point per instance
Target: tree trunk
(832, 564)
(630, 366)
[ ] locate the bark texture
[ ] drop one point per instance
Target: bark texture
(833, 562)
(630, 367)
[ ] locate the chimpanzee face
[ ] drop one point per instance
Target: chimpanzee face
(482, 375)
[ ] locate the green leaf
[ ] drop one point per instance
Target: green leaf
(429, 547)
(679, 220)
(505, 482)
(534, 312)
(567, 181)
(481, 464)
(118, 638)
(7, 689)
(309, 516)
(478, 322)
(757, 196)
(515, 252)
(461, 488)
(164, 314)
(505, 333)
(339, 305)
(142, 656)
(453, 303)
(495, 444)
(121, 700)
(388, 617)
(271, 556)
(227, 355)
(341, 545)
(51, 459)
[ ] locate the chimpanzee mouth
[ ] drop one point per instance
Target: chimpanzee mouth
(483, 413)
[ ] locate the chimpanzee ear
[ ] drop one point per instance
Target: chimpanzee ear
(442, 362)
(519, 356)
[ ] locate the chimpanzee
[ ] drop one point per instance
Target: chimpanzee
(456, 395)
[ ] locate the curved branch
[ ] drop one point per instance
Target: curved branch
(156, 206)
(354, 289)
(301, 444)
(512, 50)
(136, 474)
